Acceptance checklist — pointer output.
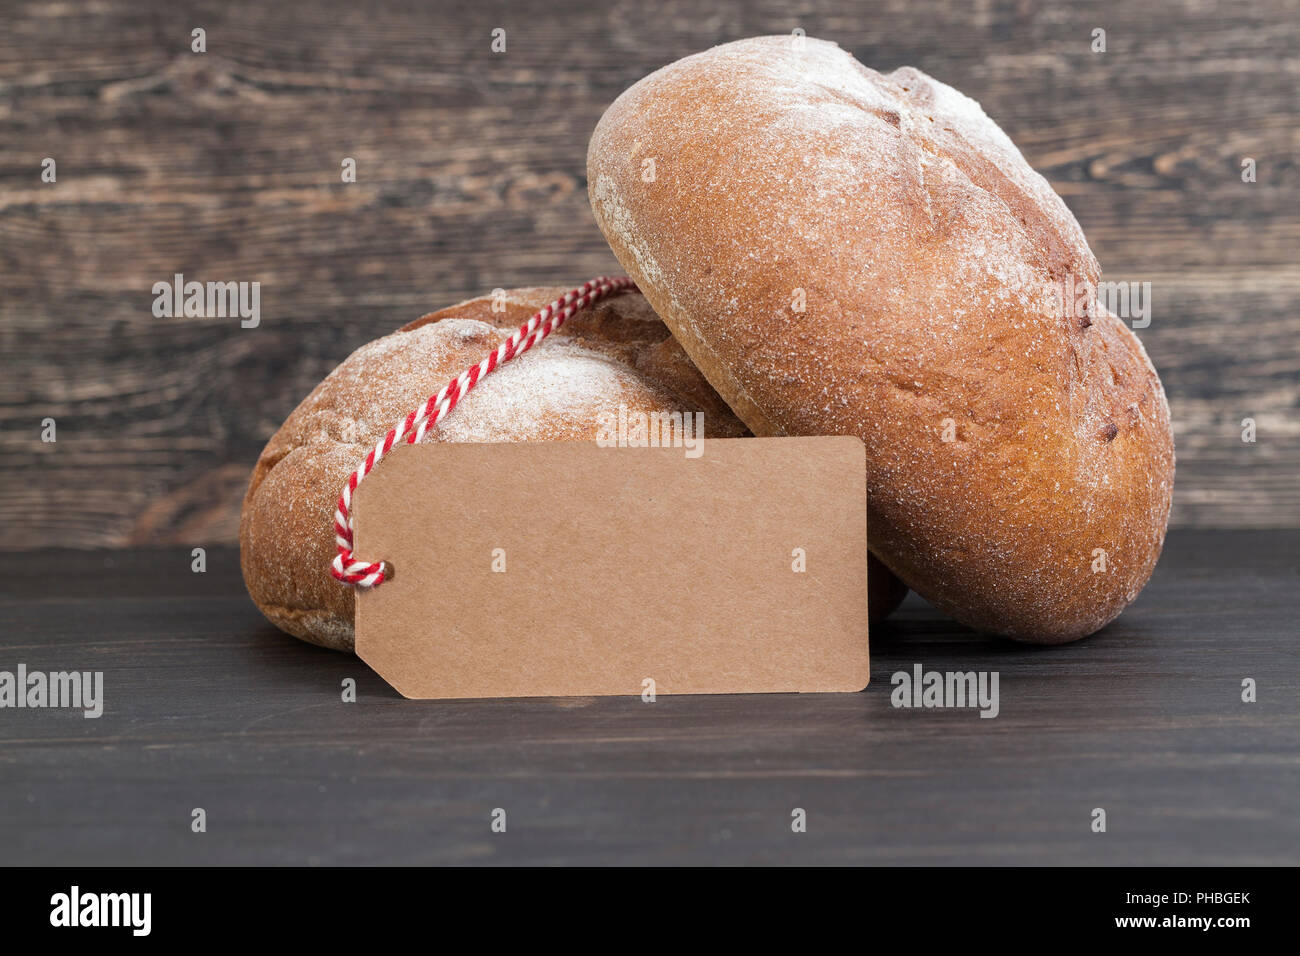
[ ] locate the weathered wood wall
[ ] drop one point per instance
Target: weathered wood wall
(225, 166)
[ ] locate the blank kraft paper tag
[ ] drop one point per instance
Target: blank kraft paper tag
(557, 569)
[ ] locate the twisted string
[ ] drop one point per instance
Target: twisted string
(346, 566)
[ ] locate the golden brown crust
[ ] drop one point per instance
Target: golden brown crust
(925, 249)
(616, 353)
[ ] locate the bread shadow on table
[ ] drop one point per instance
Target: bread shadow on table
(917, 623)
(915, 633)
(287, 660)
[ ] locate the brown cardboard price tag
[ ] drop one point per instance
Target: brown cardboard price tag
(560, 569)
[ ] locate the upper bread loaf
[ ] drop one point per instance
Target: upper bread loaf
(846, 252)
(615, 353)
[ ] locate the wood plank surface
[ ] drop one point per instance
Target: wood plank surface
(209, 706)
(224, 166)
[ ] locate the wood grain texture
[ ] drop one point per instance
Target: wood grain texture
(225, 167)
(208, 706)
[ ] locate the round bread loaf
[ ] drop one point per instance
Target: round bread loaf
(617, 352)
(845, 252)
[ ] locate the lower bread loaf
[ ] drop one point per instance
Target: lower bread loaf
(615, 353)
(842, 251)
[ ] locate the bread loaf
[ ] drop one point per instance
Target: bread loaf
(617, 352)
(845, 252)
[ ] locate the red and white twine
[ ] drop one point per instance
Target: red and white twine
(365, 574)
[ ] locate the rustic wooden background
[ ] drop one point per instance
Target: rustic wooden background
(225, 166)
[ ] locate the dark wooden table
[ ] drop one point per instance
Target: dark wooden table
(209, 706)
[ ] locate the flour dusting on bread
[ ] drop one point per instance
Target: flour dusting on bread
(842, 251)
(617, 353)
